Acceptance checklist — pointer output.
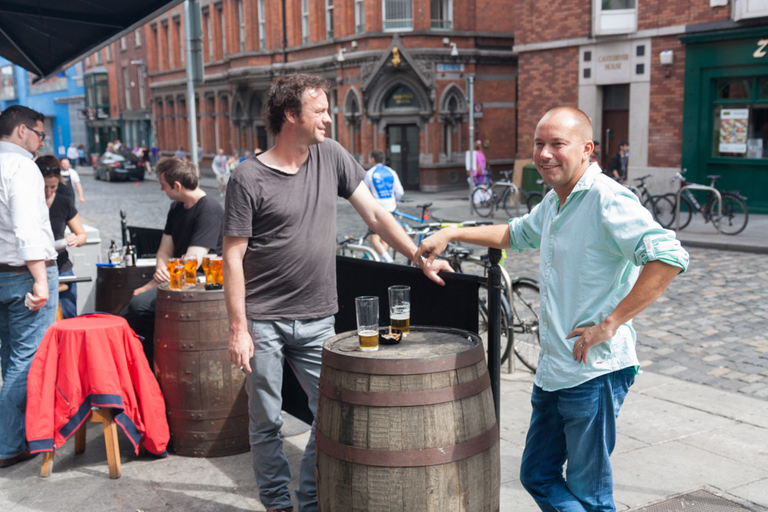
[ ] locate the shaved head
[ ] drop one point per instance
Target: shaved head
(572, 118)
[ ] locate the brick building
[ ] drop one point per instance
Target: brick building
(666, 76)
(133, 89)
(102, 108)
(398, 70)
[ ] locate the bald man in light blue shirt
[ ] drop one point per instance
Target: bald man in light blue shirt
(603, 260)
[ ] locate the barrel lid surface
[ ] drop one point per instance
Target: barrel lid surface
(192, 293)
(426, 349)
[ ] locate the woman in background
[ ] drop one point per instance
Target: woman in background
(62, 213)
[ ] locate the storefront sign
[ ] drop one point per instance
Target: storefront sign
(610, 62)
(733, 130)
(760, 52)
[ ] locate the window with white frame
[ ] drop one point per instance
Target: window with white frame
(109, 53)
(359, 16)
(329, 19)
(209, 39)
(137, 38)
(123, 45)
(397, 14)
(127, 87)
(97, 57)
(614, 17)
(441, 14)
(749, 9)
(304, 21)
(180, 34)
(140, 81)
(262, 26)
(167, 30)
(241, 23)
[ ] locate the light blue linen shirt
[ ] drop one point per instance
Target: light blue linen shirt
(592, 251)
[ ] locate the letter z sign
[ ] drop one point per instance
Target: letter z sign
(760, 52)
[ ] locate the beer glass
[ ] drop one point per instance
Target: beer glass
(190, 270)
(177, 277)
(400, 308)
(216, 269)
(367, 312)
(172, 262)
(206, 268)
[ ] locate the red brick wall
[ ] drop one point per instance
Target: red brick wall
(537, 22)
(666, 110)
(663, 13)
(546, 79)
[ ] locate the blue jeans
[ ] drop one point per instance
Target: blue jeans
(21, 332)
(577, 425)
(68, 298)
(301, 343)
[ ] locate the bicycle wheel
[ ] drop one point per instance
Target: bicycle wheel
(482, 201)
(482, 323)
(686, 211)
(662, 208)
(735, 214)
(534, 198)
(525, 323)
(510, 201)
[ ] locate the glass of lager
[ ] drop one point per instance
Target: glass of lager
(400, 308)
(367, 312)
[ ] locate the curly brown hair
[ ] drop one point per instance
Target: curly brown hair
(178, 169)
(286, 94)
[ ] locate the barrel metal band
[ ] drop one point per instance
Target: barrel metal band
(419, 366)
(407, 458)
(406, 398)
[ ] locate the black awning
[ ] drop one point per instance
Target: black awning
(45, 36)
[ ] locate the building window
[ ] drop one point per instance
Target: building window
(398, 15)
(137, 38)
(262, 26)
(97, 58)
(127, 88)
(97, 91)
(441, 14)
(329, 19)
(220, 12)
(167, 31)
(208, 34)
(109, 53)
(304, 21)
(359, 16)
(749, 9)
(141, 80)
(123, 45)
(88, 61)
(740, 117)
(241, 24)
(180, 37)
(614, 16)
(7, 83)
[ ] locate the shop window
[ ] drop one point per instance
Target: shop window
(749, 9)
(441, 14)
(7, 83)
(614, 16)
(398, 14)
(740, 118)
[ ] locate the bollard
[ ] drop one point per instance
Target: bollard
(494, 327)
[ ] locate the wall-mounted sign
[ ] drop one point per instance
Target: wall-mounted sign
(401, 97)
(450, 68)
(733, 130)
(478, 109)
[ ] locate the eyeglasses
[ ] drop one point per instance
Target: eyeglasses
(50, 171)
(39, 134)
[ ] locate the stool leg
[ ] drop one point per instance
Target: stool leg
(110, 438)
(45, 471)
(80, 439)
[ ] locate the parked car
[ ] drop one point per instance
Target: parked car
(122, 165)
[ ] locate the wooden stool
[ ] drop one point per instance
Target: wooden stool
(107, 418)
(59, 315)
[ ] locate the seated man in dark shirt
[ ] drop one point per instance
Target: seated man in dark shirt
(193, 228)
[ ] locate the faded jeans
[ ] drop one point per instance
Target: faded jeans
(577, 425)
(21, 332)
(301, 343)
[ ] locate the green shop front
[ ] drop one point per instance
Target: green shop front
(725, 113)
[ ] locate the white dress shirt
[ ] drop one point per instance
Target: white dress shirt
(25, 228)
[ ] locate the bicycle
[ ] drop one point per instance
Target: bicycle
(734, 212)
(486, 198)
(519, 307)
(659, 206)
(355, 247)
(535, 197)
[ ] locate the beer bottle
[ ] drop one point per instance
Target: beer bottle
(130, 256)
(114, 254)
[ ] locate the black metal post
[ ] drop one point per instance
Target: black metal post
(494, 327)
(124, 228)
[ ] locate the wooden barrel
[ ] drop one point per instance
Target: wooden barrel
(204, 393)
(410, 427)
(115, 285)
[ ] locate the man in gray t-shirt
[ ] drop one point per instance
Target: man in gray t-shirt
(280, 273)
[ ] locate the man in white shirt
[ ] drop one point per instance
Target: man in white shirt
(29, 279)
(385, 186)
(72, 154)
(71, 179)
(221, 170)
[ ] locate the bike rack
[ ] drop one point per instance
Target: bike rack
(696, 186)
(359, 248)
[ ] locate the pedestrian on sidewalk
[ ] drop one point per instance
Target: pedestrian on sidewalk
(72, 155)
(220, 168)
(617, 167)
(279, 256)
(71, 181)
(385, 186)
(603, 261)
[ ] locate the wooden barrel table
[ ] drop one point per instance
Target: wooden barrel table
(410, 427)
(115, 285)
(204, 393)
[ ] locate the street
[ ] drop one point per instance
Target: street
(708, 328)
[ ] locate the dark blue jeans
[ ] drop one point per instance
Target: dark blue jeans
(577, 425)
(68, 298)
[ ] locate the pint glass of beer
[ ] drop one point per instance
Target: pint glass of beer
(190, 270)
(216, 269)
(206, 267)
(177, 277)
(367, 311)
(400, 308)
(172, 262)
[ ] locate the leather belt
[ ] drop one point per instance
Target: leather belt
(23, 268)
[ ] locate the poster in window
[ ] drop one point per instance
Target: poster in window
(733, 130)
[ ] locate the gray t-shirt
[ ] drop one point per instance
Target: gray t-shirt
(290, 222)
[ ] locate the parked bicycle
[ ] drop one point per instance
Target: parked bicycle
(659, 206)
(499, 194)
(734, 215)
(519, 307)
(535, 197)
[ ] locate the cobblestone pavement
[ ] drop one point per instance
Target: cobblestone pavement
(709, 327)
